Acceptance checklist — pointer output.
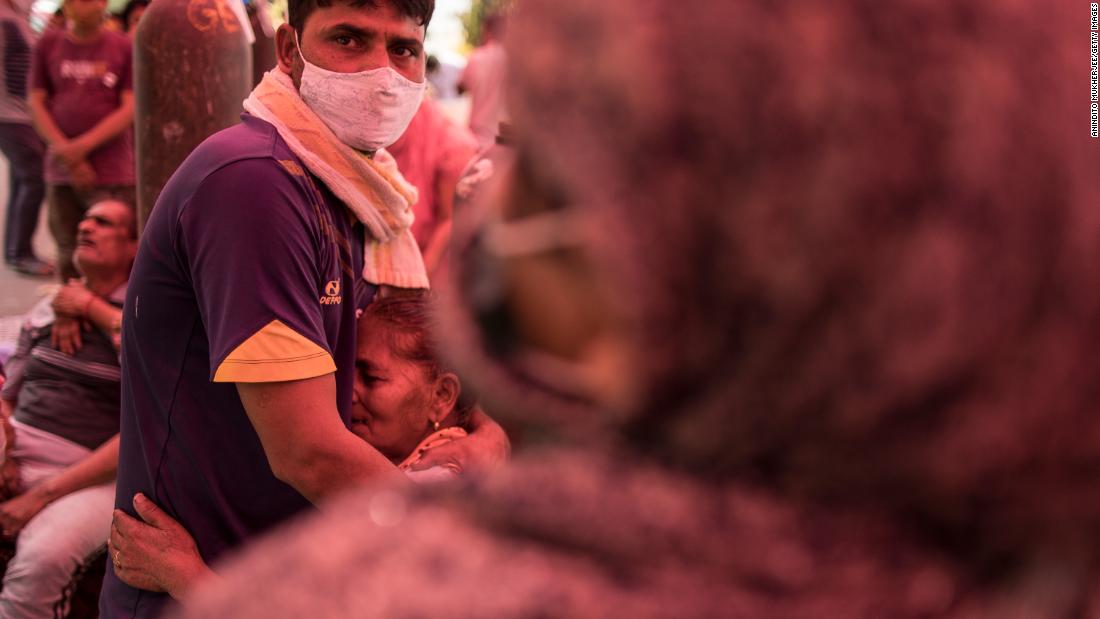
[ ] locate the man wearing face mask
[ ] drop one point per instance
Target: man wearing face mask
(239, 339)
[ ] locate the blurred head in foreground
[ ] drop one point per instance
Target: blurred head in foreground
(808, 239)
(811, 288)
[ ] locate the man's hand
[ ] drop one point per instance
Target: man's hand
(69, 153)
(154, 553)
(72, 299)
(15, 513)
(9, 478)
(65, 334)
(83, 175)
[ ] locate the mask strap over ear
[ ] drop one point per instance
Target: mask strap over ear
(298, 46)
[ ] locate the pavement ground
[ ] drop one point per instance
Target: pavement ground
(18, 293)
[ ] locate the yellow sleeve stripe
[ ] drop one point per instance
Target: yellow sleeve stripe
(273, 354)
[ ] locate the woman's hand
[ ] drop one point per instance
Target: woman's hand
(458, 455)
(486, 448)
(157, 554)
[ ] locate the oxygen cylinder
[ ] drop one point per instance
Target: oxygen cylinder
(192, 72)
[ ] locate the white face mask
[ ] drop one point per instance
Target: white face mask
(367, 110)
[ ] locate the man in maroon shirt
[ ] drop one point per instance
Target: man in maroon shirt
(82, 104)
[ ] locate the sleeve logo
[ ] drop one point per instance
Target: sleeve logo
(332, 293)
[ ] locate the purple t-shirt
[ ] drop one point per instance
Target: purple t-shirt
(248, 271)
(84, 83)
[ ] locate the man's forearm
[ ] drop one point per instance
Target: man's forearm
(98, 467)
(108, 318)
(343, 464)
(306, 443)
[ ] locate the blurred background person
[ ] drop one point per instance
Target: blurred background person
(20, 144)
(807, 332)
(82, 104)
(114, 23)
(483, 79)
(432, 154)
(57, 20)
(443, 77)
(131, 15)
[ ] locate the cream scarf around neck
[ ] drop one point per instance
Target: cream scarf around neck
(373, 190)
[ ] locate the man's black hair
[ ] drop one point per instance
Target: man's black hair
(420, 10)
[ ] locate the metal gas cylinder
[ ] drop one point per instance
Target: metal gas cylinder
(192, 71)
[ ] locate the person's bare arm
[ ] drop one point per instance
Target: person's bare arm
(463, 85)
(43, 120)
(73, 151)
(306, 443)
(82, 173)
(436, 247)
(98, 467)
(7, 407)
(9, 469)
(487, 447)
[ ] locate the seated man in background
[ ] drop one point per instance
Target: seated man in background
(60, 421)
(406, 402)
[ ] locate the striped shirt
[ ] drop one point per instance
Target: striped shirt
(75, 397)
(16, 43)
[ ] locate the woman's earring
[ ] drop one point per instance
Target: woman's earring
(435, 426)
